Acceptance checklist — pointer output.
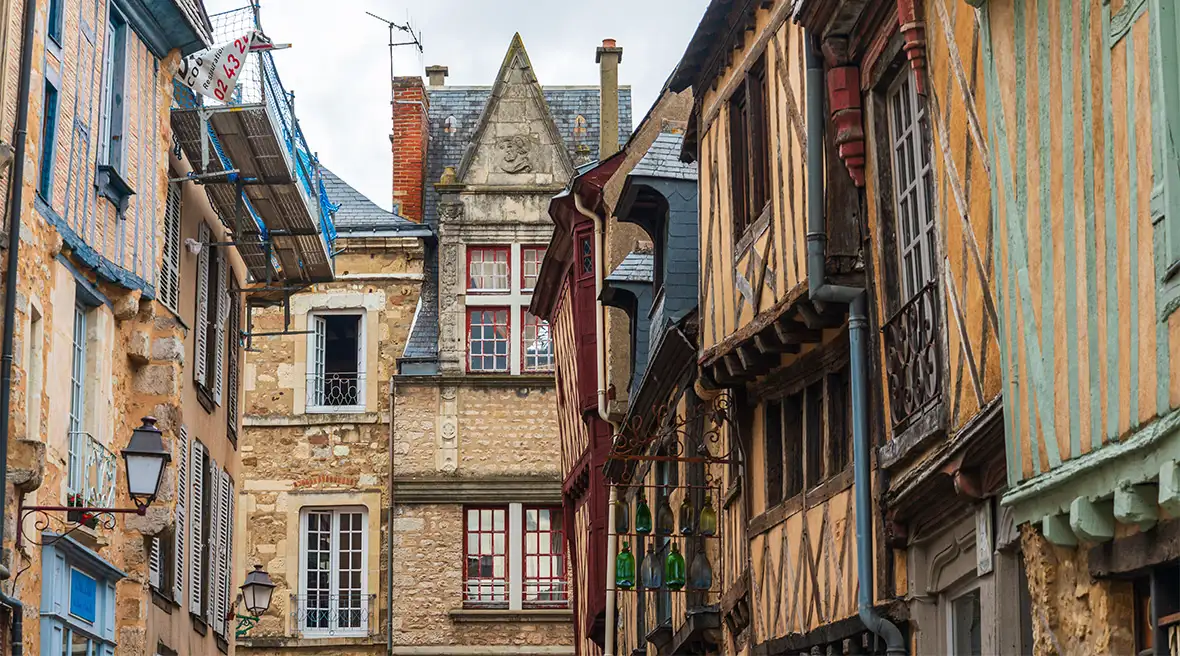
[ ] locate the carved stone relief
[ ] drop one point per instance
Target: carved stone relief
(448, 430)
(516, 153)
(451, 211)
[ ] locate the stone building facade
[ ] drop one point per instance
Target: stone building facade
(117, 273)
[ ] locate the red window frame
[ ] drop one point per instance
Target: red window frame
(485, 589)
(544, 556)
(538, 251)
(525, 324)
(483, 251)
(507, 339)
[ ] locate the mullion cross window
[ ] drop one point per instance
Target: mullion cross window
(486, 576)
(912, 179)
(488, 332)
(487, 269)
(514, 557)
(334, 599)
(544, 558)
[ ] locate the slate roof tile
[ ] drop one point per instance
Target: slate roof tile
(662, 160)
(636, 267)
(356, 211)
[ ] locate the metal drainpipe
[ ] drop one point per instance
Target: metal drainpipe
(857, 300)
(16, 186)
(18, 616)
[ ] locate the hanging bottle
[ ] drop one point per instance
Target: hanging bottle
(642, 514)
(651, 573)
(625, 568)
(674, 569)
(708, 523)
(665, 520)
(700, 573)
(688, 517)
(622, 516)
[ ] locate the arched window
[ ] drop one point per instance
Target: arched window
(450, 124)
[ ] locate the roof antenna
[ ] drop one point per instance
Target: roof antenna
(415, 40)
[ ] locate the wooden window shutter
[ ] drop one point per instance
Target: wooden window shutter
(196, 540)
(225, 542)
(318, 364)
(235, 361)
(170, 264)
(200, 373)
(178, 542)
(154, 562)
(222, 318)
(212, 576)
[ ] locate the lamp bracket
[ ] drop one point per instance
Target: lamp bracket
(88, 516)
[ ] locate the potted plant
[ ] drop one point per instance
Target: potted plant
(76, 500)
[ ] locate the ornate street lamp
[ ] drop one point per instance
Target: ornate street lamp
(255, 595)
(145, 459)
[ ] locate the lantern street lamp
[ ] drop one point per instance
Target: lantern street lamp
(255, 594)
(145, 459)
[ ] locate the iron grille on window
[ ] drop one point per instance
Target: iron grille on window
(324, 614)
(912, 361)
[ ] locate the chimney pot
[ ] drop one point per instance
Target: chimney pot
(437, 75)
(608, 43)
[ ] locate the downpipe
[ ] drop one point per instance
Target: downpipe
(858, 325)
(612, 540)
(17, 629)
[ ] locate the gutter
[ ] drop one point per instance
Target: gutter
(858, 326)
(390, 516)
(16, 182)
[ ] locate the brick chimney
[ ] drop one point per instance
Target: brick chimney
(609, 57)
(437, 75)
(409, 139)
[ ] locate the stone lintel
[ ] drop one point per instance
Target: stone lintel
(1092, 521)
(452, 490)
(1136, 504)
(1056, 529)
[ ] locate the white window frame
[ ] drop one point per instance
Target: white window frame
(516, 299)
(313, 367)
(946, 603)
(917, 249)
(333, 629)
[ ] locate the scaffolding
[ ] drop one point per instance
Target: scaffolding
(259, 173)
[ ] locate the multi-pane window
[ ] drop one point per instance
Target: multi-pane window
(487, 269)
(909, 129)
(514, 557)
(530, 265)
(544, 558)
(537, 344)
(333, 599)
(114, 110)
(487, 339)
(486, 575)
(749, 156)
(807, 436)
(335, 376)
(53, 22)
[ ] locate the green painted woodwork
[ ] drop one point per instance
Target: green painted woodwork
(1067, 215)
(1169, 487)
(1056, 530)
(1165, 26)
(1091, 225)
(1133, 236)
(1092, 521)
(1112, 297)
(1136, 504)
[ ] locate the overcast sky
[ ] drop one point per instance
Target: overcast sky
(338, 66)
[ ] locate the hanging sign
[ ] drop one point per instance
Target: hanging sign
(214, 71)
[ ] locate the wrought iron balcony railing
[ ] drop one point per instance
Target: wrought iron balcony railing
(335, 389)
(91, 477)
(328, 615)
(913, 359)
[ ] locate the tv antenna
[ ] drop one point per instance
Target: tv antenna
(415, 40)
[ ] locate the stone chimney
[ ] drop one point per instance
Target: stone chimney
(609, 57)
(437, 75)
(409, 139)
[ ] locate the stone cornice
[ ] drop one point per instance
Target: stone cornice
(451, 490)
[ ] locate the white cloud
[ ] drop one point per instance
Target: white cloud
(338, 66)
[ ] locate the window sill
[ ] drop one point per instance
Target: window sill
(524, 615)
(113, 187)
(205, 398)
(163, 602)
(334, 409)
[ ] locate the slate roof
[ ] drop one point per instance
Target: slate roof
(194, 11)
(636, 267)
(448, 140)
(357, 213)
(662, 160)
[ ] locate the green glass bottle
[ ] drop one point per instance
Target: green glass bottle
(674, 569)
(708, 523)
(625, 568)
(688, 517)
(622, 516)
(642, 514)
